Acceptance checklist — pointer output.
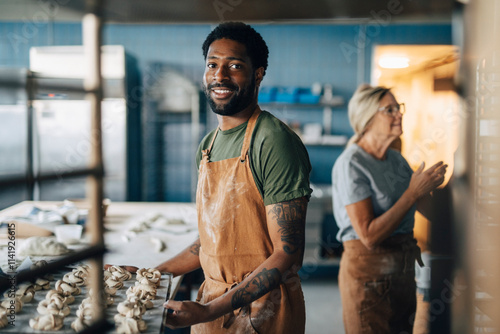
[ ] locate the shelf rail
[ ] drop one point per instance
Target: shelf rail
(93, 89)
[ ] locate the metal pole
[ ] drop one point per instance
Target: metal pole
(30, 183)
(195, 134)
(92, 29)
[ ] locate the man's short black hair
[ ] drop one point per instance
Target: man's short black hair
(240, 32)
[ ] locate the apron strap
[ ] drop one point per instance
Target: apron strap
(206, 153)
(248, 134)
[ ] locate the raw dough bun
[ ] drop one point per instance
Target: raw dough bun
(108, 300)
(3, 319)
(72, 278)
(130, 309)
(85, 310)
(87, 302)
(110, 291)
(143, 223)
(128, 325)
(48, 322)
(39, 246)
(41, 284)
(146, 302)
(148, 275)
(67, 288)
(120, 273)
(82, 272)
(143, 291)
(25, 292)
(158, 244)
(106, 296)
(55, 294)
(18, 304)
(53, 306)
(107, 274)
(81, 323)
(114, 282)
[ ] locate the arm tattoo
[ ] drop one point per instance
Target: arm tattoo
(261, 284)
(291, 217)
(195, 248)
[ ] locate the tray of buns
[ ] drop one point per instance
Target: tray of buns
(62, 302)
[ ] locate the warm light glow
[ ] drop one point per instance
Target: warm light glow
(393, 62)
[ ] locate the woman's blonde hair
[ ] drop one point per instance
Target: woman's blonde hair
(362, 107)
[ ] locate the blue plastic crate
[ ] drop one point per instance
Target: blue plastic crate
(305, 96)
(287, 94)
(267, 94)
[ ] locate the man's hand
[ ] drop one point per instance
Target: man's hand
(131, 269)
(186, 313)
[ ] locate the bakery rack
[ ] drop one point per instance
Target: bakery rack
(93, 88)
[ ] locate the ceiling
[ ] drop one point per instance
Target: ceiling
(213, 11)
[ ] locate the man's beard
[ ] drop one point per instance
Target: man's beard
(240, 100)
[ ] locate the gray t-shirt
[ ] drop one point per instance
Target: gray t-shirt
(357, 175)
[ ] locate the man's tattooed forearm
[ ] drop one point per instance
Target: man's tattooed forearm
(195, 248)
(291, 217)
(261, 284)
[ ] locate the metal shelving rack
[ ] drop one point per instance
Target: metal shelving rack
(93, 88)
(486, 194)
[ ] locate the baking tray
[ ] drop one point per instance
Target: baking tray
(153, 317)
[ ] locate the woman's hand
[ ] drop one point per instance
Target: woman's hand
(423, 182)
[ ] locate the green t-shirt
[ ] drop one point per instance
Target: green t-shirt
(278, 158)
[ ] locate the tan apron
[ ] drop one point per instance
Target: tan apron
(377, 286)
(234, 241)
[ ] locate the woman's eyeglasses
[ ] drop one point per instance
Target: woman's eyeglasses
(393, 109)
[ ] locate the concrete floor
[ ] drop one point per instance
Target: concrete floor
(323, 306)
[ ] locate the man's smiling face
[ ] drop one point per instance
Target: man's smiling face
(229, 79)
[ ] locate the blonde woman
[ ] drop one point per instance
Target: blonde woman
(375, 195)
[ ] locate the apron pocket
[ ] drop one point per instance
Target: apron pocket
(375, 294)
(263, 311)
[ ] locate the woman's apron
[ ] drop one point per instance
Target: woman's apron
(234, 241)
(377, 287)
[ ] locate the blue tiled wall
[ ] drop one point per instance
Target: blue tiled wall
(300, 55)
